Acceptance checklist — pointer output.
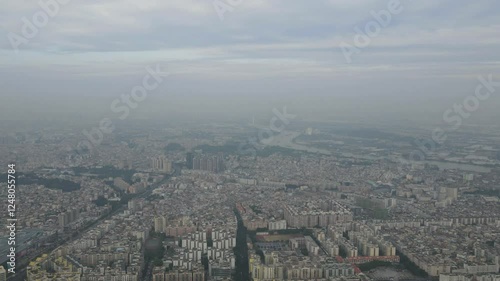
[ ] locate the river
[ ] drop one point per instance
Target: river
(285, 139)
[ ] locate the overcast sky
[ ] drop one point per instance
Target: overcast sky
(279, 49)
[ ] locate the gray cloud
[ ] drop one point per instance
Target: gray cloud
(258, 47)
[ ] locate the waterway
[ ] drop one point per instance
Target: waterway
(285, 139)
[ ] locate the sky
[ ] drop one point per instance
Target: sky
(249, 56)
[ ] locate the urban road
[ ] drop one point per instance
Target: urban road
(21, 266)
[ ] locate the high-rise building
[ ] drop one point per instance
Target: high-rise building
(3, 273)
(468, 177)
(160, 223)
(189, 160)
(68, 217)
(161, 164)
(212, 163)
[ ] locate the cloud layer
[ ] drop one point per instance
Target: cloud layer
(94, 41)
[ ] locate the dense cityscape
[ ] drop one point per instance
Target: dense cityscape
(163, 205)
(250, 140)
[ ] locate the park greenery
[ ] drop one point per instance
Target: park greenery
(376, 211)
(174, 147)
(51, 183)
